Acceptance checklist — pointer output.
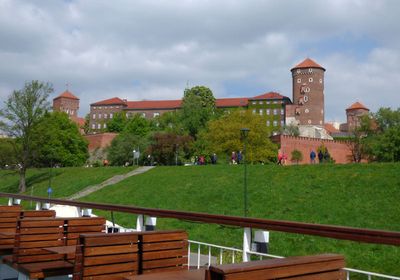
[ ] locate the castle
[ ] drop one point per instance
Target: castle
(305, 110)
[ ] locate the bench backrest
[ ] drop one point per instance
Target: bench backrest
(38, 214)
(8, 223)
(326, 266)
(163, 251)
(106, 256)
(35, 234)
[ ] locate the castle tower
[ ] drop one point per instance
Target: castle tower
(308, 93)
(354, 113)
(68, 103)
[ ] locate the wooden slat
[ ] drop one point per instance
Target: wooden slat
(45, 222)
(163, 237)
(105, 250)
(121, 238)
(38, 213)
(109, 259)
(41, 237)
(42, 230)
(331, 275)
(164, 246)
(164, 263)
(82, 221)
(115, 276)
(85, 229)
(163, 254)
(107, 269)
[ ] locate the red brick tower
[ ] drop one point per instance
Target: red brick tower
(308, 92)
(354, 113)
(68, 103)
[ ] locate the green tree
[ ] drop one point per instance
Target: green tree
(297, 156)
(383, 144)
(198, 107)
(223, 136)
(57, 140)
(170, 122)
(23, 110)
(117, 123)
(121, 148)
(138, 126)
(86, 127)
(7, 157)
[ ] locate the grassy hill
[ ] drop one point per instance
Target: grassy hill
(352, 195)
(64, 182)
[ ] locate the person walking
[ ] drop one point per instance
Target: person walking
(320, 156)
(312, 157)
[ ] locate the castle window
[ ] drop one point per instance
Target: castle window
(310, 70)
(94, 107)
(105, 116)
(282, 122)
(99, 126)
(275, 102)
(282, 112)
(310, 80)
(309, 121)
(260, 102)
(156, 115)
(111, 115)
(104, 125)
(254, 111)
(306, 111)
(320, 81)
(268, 123)
(99, 116)
(275, 123)
(93, 126)
(268, 111)
(94, 116)
(127, 115)
(298, 81)
(298, 71)
(267, 102)
(275, 112)
(143, 115)
(261, 112)
(254, 102)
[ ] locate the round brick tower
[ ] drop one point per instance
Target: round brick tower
(308, 92)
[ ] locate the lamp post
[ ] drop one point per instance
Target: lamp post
(244, 133)
(133, 157)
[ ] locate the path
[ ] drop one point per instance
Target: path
(113, 180)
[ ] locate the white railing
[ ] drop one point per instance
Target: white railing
(219, 259)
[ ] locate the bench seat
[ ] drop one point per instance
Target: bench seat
(46, 269)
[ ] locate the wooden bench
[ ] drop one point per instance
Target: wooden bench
(106, 256)
(35, 234)
(9, 216)
(163, 251)
(326, 266)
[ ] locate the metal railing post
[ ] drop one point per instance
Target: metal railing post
(246, 244)
(139, 223)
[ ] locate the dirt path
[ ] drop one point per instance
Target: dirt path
(113, 180)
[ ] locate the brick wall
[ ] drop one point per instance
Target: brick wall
(100, 140)
(338, 150)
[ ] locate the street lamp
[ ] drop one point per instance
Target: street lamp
(244, 132)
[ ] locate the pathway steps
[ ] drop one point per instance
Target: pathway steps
(113, 180)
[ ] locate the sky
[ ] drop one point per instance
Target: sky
(149, 50)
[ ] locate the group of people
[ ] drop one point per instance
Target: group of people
(323, 156)
(201, 160)
(236, 157)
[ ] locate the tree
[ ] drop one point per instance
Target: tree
(7, 157)
(170, 148)
(86, 126)
(121, 148)
(223, 136)
(383, 144)
(297, 156)
(57, 141)
(117, 123)
(137, 125)
(356, 142)
(23, 110)
(198, 107)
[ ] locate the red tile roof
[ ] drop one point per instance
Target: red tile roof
(79, 121)
(231, 102)
(356, 106)
(154, 104)
(308, 63)
(67, 94)
(269, 95)
(330, 128)
(111, 101)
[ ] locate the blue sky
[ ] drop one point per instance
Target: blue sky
(153, 49)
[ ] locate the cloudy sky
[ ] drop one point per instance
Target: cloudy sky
(153, 49)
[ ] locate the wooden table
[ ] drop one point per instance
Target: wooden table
(195, 274)
(61, 249)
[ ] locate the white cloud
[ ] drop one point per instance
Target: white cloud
(151, 49)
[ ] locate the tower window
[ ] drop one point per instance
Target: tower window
(275, 123)
(310, 80)
(275, 112)
(282, 112)
(298, 81)
(309, 121)
(94, 116)
(268, 111)
(298, 71)
(320, 81)
(261, 112)
(306, 111)
(310, 70)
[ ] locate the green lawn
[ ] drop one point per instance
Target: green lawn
(64, 182)
(352, 195)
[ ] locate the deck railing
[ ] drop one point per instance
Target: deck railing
(329, 231)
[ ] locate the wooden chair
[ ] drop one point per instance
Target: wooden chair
(163, 251)
(34, 234)
(326, 266)
(8, 224)
(106, 256)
